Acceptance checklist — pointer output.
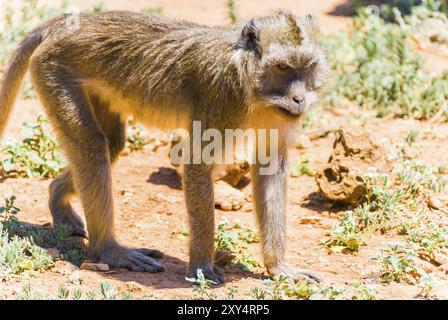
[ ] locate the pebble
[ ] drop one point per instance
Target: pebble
(64, 267)
(310, 220)
(90, 266)
(53, 252)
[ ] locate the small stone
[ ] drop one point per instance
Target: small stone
(64, 267)
(53, 252)
(444, 268)
(228, 198)
(133, 286)
(436, 202)
(303, 142)
(90, 266)
(441, 258)
(75, 278)
(310, 220)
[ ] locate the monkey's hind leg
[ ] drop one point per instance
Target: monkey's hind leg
(61, 190)
(86, 147)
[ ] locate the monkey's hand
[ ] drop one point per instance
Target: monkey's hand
(141, 260)
(295, 273)
(209, 271)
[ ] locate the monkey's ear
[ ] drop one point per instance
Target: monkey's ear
(311, 27)
(250, 36)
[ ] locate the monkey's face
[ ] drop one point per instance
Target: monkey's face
(290, 67)
(289, 78)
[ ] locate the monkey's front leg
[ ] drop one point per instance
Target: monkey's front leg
(198, 187)
(269, 189)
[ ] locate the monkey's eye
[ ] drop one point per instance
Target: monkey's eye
(283, 66)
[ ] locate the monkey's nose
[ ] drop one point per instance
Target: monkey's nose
(300, 100)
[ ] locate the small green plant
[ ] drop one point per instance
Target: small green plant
(420, 179)
(233, 241)
(385, 204)
(426, 284)
(152, 10)
(398, 263)
(137, 138)
(232, 11)
(225, 239)
(18, 254)
(108, 291)
(27, 293)
(38, 155)
(201, 287)
(302, 168)
(63, 293)
(8, 214)
(364, 292)
(376, 69)
(99, 7)
(281, 287)
(21, 254)
(246, 262)
(428, 239)
(346, 235)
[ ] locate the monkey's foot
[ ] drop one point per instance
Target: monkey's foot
(71, 220)
(210, 272)
(296, 274)
(140, 260)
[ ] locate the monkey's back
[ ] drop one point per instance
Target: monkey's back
(147, 59)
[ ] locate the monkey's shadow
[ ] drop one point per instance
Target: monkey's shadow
(166, 176)
(316, 202)
(173, 276)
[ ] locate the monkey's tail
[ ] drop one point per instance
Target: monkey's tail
(15, 73)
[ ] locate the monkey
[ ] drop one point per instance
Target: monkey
(168, 73)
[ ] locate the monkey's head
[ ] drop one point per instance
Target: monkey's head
(289, 67)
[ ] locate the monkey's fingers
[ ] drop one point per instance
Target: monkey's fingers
(156, 254)
(145, 263)
(131, 259)
(310, 277)
(297, 274)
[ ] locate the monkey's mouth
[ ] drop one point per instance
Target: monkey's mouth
(291, 114)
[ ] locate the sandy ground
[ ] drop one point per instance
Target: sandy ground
(152, 215)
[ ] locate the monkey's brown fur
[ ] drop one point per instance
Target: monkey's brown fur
(166, 74)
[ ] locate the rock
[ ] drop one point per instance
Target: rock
(303, 142)
(90, 266)
(53, 252)
(441, 257)
(354, 154)
(76, 277)
(133, 286)
(228, 198)
(310, 220)
(235, 174)
(444, 268)
(437, 202)
(63, 267)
